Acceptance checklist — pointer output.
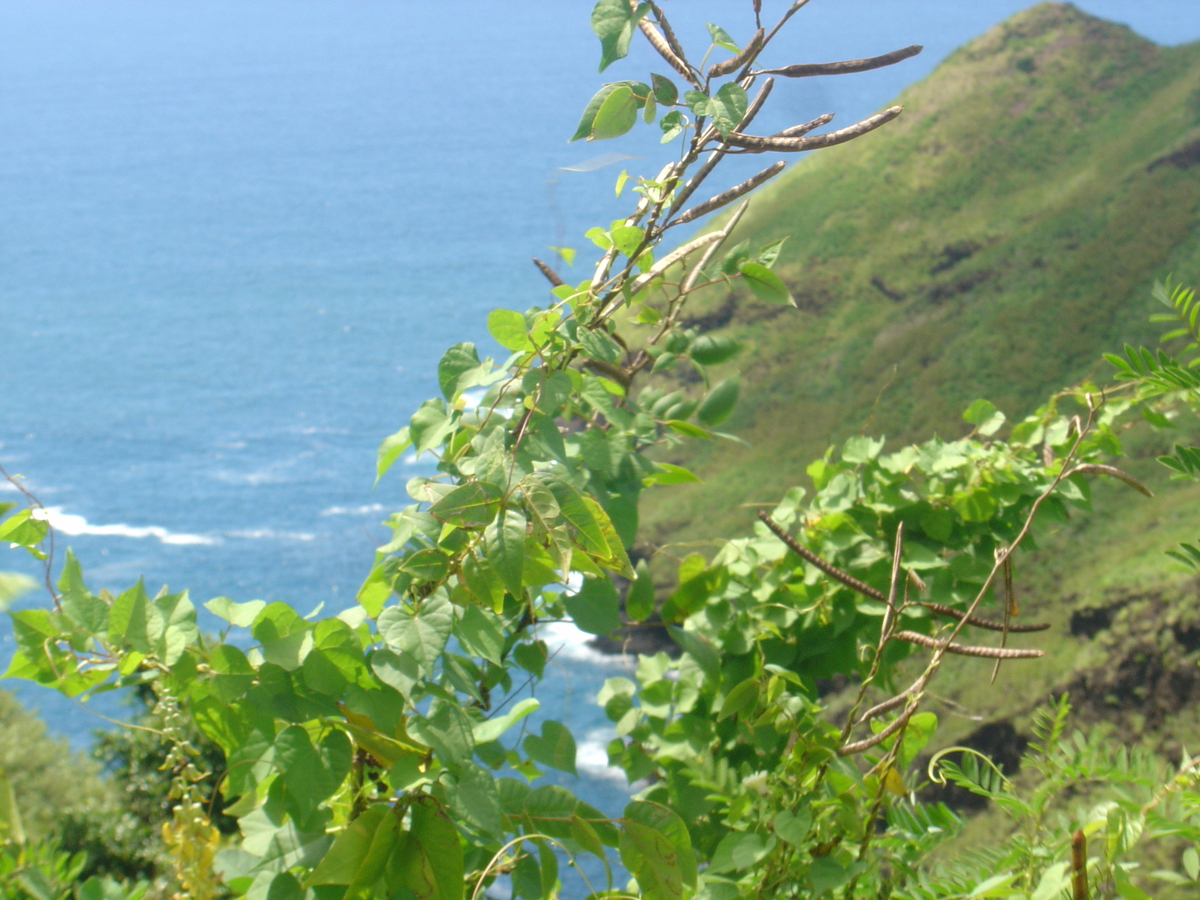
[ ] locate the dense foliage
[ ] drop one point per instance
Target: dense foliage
(380, 752)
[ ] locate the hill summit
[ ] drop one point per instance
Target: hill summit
(992, 242)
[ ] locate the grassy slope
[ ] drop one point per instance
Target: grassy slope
(1031, 145)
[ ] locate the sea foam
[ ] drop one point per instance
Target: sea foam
(69, 523)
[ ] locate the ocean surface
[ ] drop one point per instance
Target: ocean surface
(235, 237)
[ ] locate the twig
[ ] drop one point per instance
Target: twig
(805, 127)
(832, 571)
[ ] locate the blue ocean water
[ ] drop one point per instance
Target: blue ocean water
(236, 235)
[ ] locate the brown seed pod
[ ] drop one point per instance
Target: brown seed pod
(757, 144)
(845, 67)
(925, 640)
(716, 70)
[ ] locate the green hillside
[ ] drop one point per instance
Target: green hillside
(992, 242)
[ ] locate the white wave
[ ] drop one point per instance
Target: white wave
(69, 523)
(353, 510)
(471, 399)
(568, 643)
(271, 533)
(591, 756)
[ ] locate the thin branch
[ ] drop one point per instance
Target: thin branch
(758, 144)
(845, 67)
(690, 280)
(889, 615)
(891, 728)
(832, 571)
(880, 708)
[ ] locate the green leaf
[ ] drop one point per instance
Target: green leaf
(595, 608)
(861, 449)
(616, 115)
(178, 618)
(975, 505)
(626, 238)
(710, 350)
(398, 670)
(491, 729)
(429, 425)
(979, 412)
(311, 773)
(344, 861)
(721, 37)
(672, 124)
(613, 22)
(455, 362)
(475, 798)
(656, 848)
(240, 614)
(509, 329)
(665, 91)
(431, 862)
(764, 283)
(719, 403)
(793, 827)
(668, 473)
(741, 696)
(133, 619)
(554, 747)
(687, 428)
(739, 850)
(469, 505)
(727, 107)
(423, 632)
(826, 874)
(504, 543)
(481, 634)
(447, 731)
(639, 601)
(21, 528)
(698, 647)
(391, 448)
(11, 828)
(531, 656)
